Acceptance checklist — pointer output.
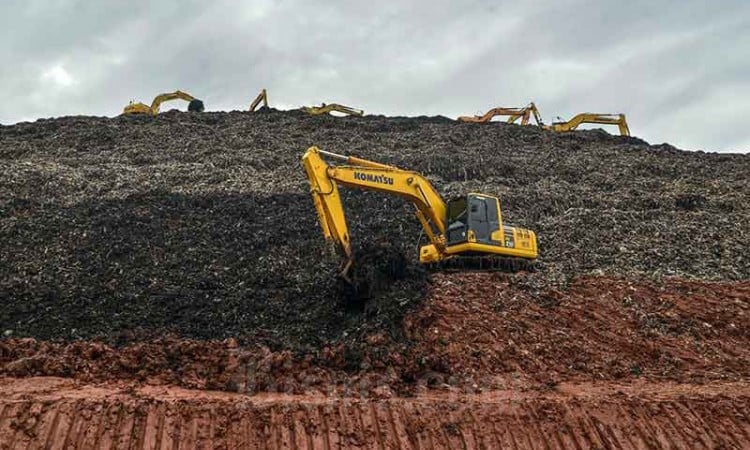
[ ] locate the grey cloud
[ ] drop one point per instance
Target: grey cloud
(676, 68)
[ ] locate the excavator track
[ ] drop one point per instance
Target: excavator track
(484, 264)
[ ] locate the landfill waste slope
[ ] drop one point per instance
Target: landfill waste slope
(202, 225)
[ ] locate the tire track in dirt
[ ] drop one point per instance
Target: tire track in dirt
(56, 413)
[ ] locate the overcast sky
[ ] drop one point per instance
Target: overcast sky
(680, 70)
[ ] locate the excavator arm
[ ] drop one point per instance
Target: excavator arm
(161, 98)
(262, 97)
(369, 175)
(327, 108)
(537, 116)
(579, 119)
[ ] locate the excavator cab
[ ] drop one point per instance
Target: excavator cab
(474, 225)
(474, 218)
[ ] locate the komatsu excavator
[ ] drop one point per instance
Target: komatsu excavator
(141, 108)
(327, 108)
(466, 231)
(514, 114)
(262, 97)
(607, 119)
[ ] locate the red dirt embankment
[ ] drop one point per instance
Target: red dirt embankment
(597, 329)
(474, 331)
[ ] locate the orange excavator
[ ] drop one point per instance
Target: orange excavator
(513, 114)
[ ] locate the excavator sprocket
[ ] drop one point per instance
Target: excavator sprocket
(484, 264)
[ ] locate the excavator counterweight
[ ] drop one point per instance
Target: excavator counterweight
(465, 228)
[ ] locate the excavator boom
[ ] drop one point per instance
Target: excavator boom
(467, 226)
(262, 97)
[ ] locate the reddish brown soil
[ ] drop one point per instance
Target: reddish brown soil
(57, 413)
(474, 331)
(597, 329)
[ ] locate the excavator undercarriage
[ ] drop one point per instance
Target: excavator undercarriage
(484, 264)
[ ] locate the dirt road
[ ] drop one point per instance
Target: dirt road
(58, 413)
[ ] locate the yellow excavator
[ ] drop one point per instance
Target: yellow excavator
(579, 119)
(514, 114)
(466, 231)
(262, 97)
(141, 108)
(327, 108)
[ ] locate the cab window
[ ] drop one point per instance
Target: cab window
(457, 210)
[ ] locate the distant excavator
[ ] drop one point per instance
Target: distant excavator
(327, 108)
(514, 114)
(464, 231)
(579, 119)
(262, 97)
(527, 111)
(194, 104)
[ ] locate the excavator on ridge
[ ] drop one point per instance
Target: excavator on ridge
(327, 108)
(262, 97)
(466, 231)
(527, 111)
(141, 108)
(514, 114)
(579, 119)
